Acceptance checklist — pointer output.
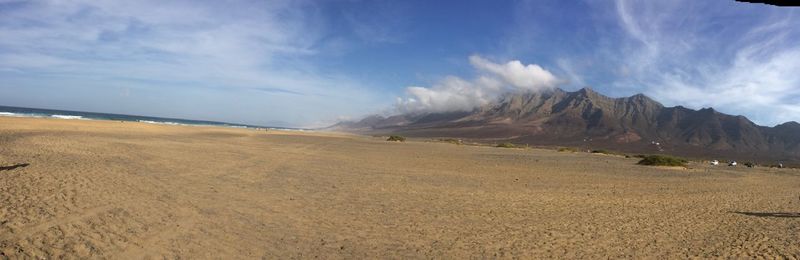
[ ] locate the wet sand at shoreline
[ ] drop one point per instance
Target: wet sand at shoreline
(103, 189)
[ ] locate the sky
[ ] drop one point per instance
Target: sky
(303, 63)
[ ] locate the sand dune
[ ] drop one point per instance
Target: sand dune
(97, 189)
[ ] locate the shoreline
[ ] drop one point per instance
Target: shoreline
(167, 121)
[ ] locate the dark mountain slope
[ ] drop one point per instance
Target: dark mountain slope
(587, 118)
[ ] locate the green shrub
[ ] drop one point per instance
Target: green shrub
(663, 160)
(506, 145)
(568, 149)
(452, 141)
(607, 152)
(396, 138)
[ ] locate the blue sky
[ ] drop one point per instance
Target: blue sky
(311, 63)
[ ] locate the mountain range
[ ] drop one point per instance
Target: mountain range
(590, 120)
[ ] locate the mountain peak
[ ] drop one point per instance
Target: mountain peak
(640, 96)
(586, 90)
(793, 124)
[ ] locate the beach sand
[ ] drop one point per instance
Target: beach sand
(101, 189)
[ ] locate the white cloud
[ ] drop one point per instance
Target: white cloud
(456, 94)
(452, 94)
(530, 77)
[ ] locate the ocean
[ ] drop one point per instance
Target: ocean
(78, 115)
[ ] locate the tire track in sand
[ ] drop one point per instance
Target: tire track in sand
(146, 246)
(31, 230)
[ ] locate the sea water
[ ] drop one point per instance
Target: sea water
(77, 115)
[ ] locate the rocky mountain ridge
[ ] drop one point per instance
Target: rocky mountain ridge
(585, 118)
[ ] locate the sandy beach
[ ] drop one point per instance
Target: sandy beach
(123, 190)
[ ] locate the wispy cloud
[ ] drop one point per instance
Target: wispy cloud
(379, 21)
(736, 57)
(706, 63)
(279, 90)
(236, 45)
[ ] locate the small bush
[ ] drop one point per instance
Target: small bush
(568, 150)
(750, 164)
(607, 152)
(452, 141)
(396, 138)
(506, 145)
(663, 160)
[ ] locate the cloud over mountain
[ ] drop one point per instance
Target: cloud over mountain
(457, 94)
